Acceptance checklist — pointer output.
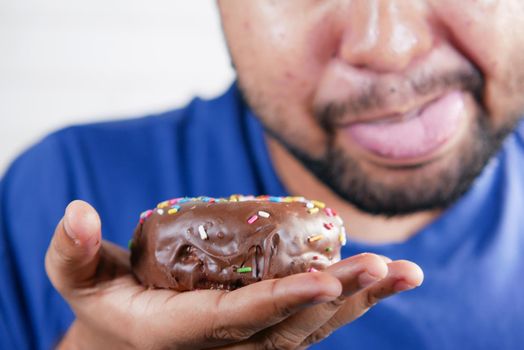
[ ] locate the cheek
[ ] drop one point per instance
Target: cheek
(280, 59)
(490, 33)
(280, 48)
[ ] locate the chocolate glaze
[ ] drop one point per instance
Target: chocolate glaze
(171, 251)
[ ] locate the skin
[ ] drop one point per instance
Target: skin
(113, 311)
(290, 56)
(293, 56)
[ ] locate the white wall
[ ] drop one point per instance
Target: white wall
(71, 61)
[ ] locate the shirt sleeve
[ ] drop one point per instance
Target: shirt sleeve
(33, 194)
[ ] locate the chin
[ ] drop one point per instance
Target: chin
(401, 187)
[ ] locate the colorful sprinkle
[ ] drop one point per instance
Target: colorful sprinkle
(312, 269)
(315, 257)
(234, 197)
(330, 212)
(174, 200)
(328, 249)
(252, 219)
(339, 220)
(172, 206)
(315, 238)
(328, 225)
(146, 214)
(244, 269)
(202, 232)
(319, 204)
(313, 211)
(163, 204)
(247, 198)
(342, 236)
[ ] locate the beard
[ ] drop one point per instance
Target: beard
(430, 186)
(423, 187)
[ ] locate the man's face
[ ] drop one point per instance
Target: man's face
(396, 105)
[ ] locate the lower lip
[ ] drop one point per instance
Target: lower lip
(415, 137)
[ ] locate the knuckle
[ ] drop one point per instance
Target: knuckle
(280, 308)
(337, 321)
(63, 257)
(335, 304)
(317, 336)
(227, 334)
(57, 256)
(280, 341)
(218, 330)
(369, 300)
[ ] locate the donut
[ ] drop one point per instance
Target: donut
(226, 243)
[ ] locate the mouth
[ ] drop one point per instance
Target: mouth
(414, 136)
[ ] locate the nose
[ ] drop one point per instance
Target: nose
(385, 35)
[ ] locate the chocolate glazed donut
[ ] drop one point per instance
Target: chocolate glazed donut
(207, 243)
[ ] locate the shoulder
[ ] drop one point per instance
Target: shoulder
(70, 162)
(141, 130)
(116, 138)
(121, 167)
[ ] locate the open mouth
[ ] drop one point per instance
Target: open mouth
(415, 134)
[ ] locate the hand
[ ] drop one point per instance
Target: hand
(113, 311)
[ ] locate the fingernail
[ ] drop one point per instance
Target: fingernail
(69, 232)
(402, 286)
(366, 279)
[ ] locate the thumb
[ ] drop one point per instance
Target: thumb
(74, 251)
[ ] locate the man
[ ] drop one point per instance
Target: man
(393, 112)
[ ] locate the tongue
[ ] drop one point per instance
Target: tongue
(414, 137)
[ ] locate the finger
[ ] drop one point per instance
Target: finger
(73, 253)
(117, 253)
(359, 271)
(354, 273)
(112, 262)
(402, 276)
(227, 317)
(385, 258)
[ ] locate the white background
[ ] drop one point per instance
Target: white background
(69, 61)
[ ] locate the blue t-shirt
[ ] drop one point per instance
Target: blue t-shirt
(472, 255)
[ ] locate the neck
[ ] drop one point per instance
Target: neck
(363, 227)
